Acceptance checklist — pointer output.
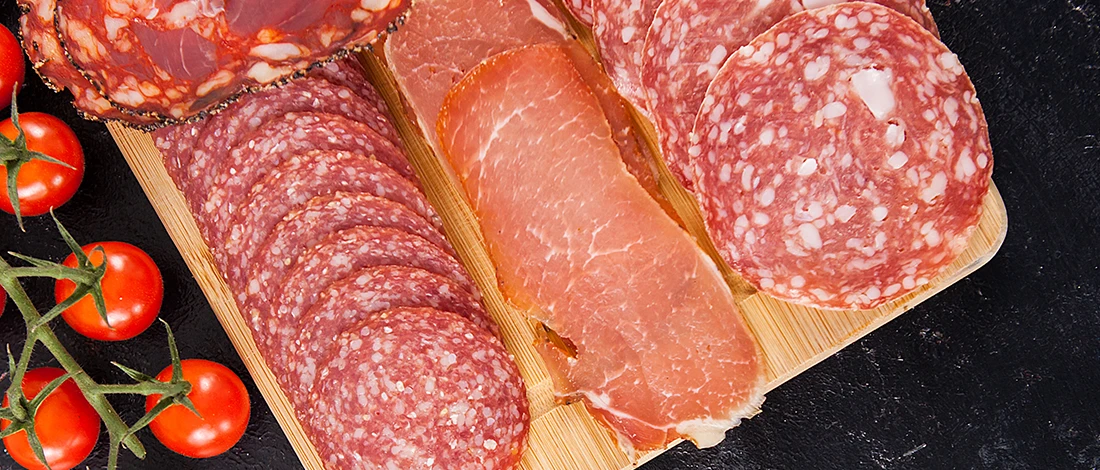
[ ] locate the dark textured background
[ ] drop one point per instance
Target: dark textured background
(1000, 371)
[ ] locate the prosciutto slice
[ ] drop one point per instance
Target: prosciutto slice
(654, 344)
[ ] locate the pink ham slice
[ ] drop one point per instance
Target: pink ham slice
(689, 41)
(442, 41)
(661, 351)
(844, 158)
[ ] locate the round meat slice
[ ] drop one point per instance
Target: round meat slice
(305, 227)
(619, 30)
(237, 122)
(689, 41)
(285, 137)
(296, 181)
(843, 158)
(338, 256)
(176, 145)
(347, 72)
(416, 389)
(355, 298)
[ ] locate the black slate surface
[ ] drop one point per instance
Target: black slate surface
(1000, 371)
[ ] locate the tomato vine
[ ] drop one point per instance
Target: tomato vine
(20, 410)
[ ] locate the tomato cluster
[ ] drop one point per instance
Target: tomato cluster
(66, 424)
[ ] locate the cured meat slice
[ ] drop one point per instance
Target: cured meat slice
(305, 227)
(356, 298)
(620, 29)
(635, 154)
(173, 62)
(419, 388)
(689, 41)
(844, 158)
(661, 351)
(225, 130)
(176, 145)
(442, 40)
(347, 72)
(582, 11)
(39, 36)
(298, 180)
(291, 135)
(337, 256)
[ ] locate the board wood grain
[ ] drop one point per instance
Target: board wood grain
(563, 436)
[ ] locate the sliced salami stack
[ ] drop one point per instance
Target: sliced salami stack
(339, 264)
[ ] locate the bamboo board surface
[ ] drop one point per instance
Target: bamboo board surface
(562, 437)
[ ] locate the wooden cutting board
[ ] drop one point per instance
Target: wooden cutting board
(562, 437)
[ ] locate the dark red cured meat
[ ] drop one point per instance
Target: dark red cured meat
(844, 158)
(230, 127)
(689, 41)
(291, 135)
(176, 145)
(347, 72)
(305, 227)
(620, 29)
(296, 181)
(172, 61)
(39, 36)
(417, 389)
(353, 299)
(338, 256)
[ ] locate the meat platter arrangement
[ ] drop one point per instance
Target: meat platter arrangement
(453, 236)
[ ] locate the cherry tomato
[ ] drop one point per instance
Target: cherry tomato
(12, 69)
(43, 185)
(66, 424)
(132, 291)
(221, 399)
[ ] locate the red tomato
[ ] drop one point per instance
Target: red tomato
(66, 424)
(44, 185)
(221, 399)
(132, 291)
(12, 69)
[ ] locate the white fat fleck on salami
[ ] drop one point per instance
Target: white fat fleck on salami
(336, 256)
(418, 388)
(874, 189)
(357, 297)
(299, 179)
(302, 229)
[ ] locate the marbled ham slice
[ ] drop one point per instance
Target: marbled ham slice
(843, 158)
(689, 41)
(444, 39)
(661, 349)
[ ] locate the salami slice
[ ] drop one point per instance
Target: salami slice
(356, 298)
(299, 179)
(348, 73)
(176, 145)
(419, 388)
(285, 137)
(689, 41)
(582, 11)
(336, 257)
(177, 61)
(225, 130)
(844, 157)
(620, 31)
(305, 227)
(39, 36)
